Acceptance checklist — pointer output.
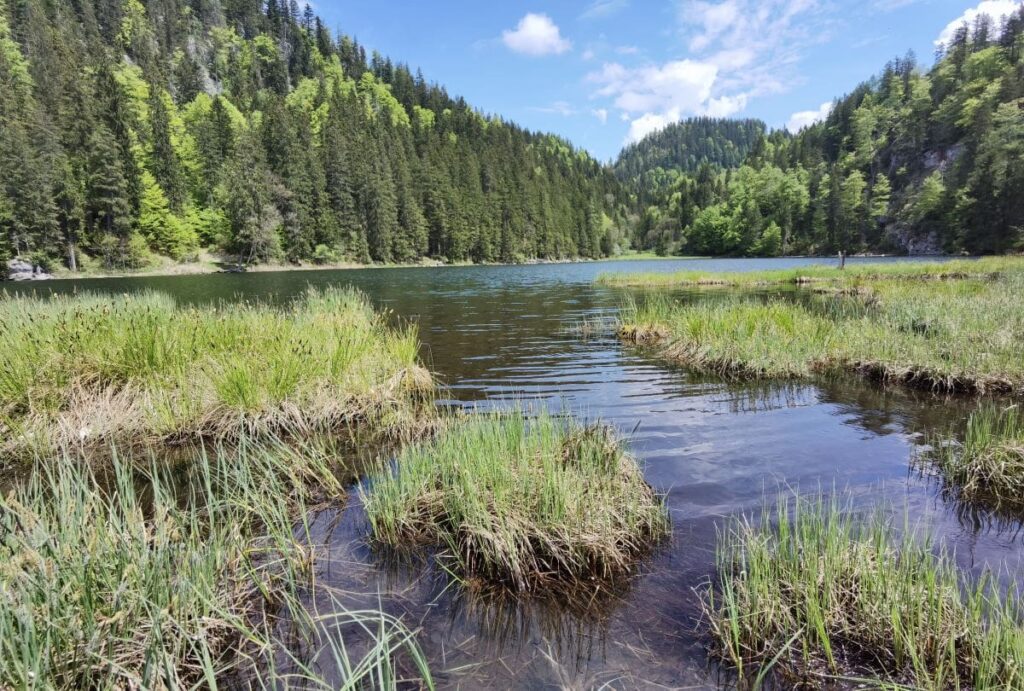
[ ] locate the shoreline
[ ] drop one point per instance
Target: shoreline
(209, 267)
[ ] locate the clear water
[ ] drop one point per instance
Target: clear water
(496, 336)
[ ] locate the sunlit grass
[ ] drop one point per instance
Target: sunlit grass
(819, 596)
(523, 501)
(852, 274)
(963, 335)
(136, 579)
(92, 370)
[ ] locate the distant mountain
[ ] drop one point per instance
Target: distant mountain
(685, 145)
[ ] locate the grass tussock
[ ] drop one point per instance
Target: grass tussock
(987, 467)
(94, 371)
(958, 336)
(141, 580)
(819, 598)
(817, 275)
(526, 502)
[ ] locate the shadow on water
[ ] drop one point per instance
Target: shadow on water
(497, 336)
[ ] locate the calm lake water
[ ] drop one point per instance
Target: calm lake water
(497, 336)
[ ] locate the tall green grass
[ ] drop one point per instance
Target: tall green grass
(987, 467)
(527, 502)
(853, 274)
(964, 335)
(91, 370)
(136, 579)
(820, 597)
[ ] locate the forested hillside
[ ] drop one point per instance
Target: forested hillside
(683, 146)
(913, 160)
(138, 128)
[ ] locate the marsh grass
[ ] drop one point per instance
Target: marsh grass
(523, 502)
(819, 275)
(956, 336)
(818, 596)
(987, 467)
(91, 371)
(141, 579)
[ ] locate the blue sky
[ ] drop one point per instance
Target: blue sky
(603, 72)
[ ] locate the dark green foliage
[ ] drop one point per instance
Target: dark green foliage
(141, 127)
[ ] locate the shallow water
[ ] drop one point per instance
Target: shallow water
(497, 336)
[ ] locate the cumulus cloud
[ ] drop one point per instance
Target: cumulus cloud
(681, 85)
(536, 35)
(806, 118)
(601, 114)
(996, 9)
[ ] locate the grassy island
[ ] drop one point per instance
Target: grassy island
(526, 502)
(140, 370)
(964, 334)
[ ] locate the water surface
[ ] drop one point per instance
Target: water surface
(497, 336)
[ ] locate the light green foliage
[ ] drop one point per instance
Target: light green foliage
(165, 233)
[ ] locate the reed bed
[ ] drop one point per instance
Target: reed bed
(957, 336)
(141, 579)
(818, 274)
(821, 598)
(522, 502)
(92, 371)
(987, 467)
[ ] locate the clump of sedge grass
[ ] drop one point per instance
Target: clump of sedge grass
(91, 371)
(144, 580)
(521, 501)
(819, 597)
(959, 336)
(988, 466)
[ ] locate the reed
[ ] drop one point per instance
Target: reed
(93, 371)
(525, 502)
(820, 598)
(147, 579)
(987, 467)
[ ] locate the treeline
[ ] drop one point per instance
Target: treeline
(910, 161)
(657, 160)
(133, 129)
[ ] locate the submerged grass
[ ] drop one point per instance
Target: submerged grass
(818, 597)
(852, 274)
(957, 336)
(143, 580)
(987, 468)
(94, 371)
(526, 502)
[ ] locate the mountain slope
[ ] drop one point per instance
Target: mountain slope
(140, 128)
(912, 160)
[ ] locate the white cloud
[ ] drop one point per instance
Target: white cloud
(603, 8)
(650, 122)
(996, 9)
(681, 85)
(627, 50)
(601, 114)
(588, 54)
(805, 118)
(563, 108)
(536, 35)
